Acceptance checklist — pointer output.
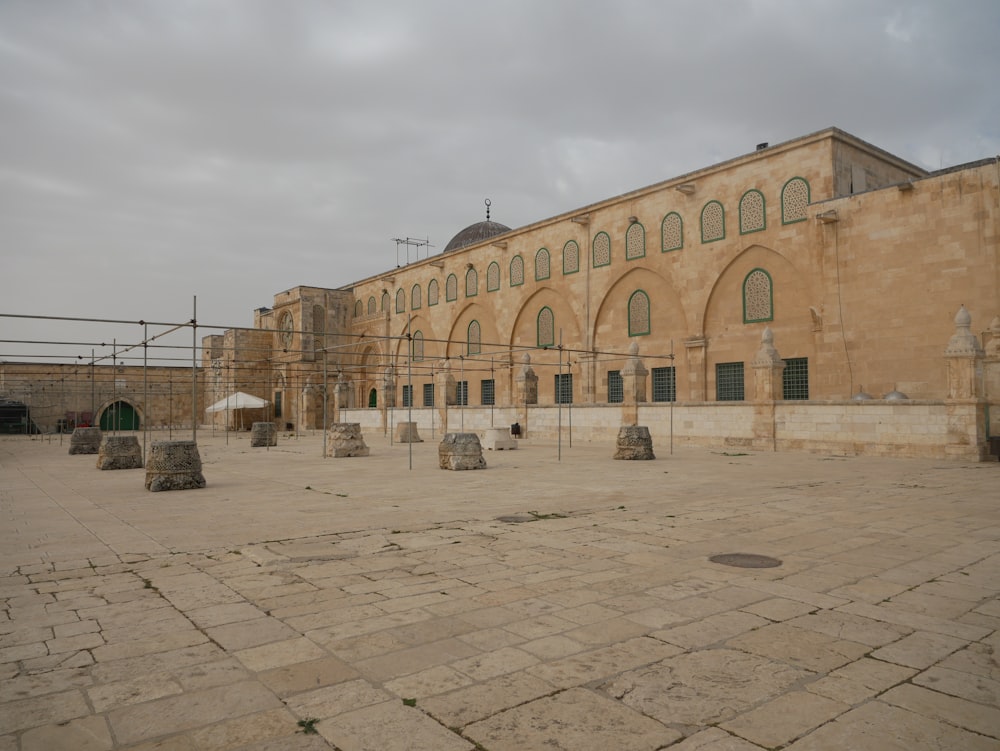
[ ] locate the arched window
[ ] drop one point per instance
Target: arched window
(546, 326)
(638, 314)
(635, 242)
(542, 265)
(451, 288)
(672, 232)
(713, 222)
(474, 339)
(359, 309)
(400, 301)
(416, 298)
(371, 305)
(385, 302)
(319, 327)
(602, 249)
(758, 297)
(493, 277)
(418, 346)
(471, 283)
(516, 271)
(794, 200)
(571, 257)
(752, 215)
(432, 292)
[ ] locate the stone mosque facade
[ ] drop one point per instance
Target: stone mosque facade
(816, 295)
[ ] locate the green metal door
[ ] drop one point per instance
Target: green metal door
(120, 416)
(373, 398)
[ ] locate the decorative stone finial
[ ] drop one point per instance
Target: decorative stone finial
(633, 349)
(526, 359)
(767, 355)
(963, 342)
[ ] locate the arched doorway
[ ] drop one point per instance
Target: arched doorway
(119, 415)
(373, 398)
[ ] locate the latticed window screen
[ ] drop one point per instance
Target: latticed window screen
(638, 313)
(451, 288)
(752, 218)
(487, 392)
(359, 309)
(541, 264)
(407, 395)
(428, 394)
(400, 301)
(757, 297)
(664, 384)
(672, 232)
(462, 393)
(635, 242)
(432, 292)
(713, 222)
(471, 283)
(795, 379)
(385, 302)
(616, 391)
(416, 298)
(371, 305)
(564, 388)
(729, 381)
(516, 271)
(418, 346)
(546, 328)
(493, 277)
(571, 257)
(475, 339)
(794, 200)
(602, 249)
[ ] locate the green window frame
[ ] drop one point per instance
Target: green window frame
(417, 346)
(428, 394)
(471, 283)
(638, 313)
(563, 388)
(359, 309)
(474, 338)
(616, 387)
(451, 288)
(493, 277)
(671, 232)
(372, 305)
(709, 232)
(385, 302)
(400, 301)
(571, 257)
(545, 327)
(433, 292)
(416, 297)
(758, 297)
(795, 197)
(543, 265)
(635, 242)
(516, 271)
(487, 391)
(753, 212)
(602, 246)
(664, 383)
(729, 382)
(795, 378)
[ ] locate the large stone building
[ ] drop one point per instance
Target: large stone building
(767, 295)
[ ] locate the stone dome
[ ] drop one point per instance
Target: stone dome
(475, 233)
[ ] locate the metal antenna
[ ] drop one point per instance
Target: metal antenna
(411, 241)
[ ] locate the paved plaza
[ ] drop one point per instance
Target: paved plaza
(556, 600)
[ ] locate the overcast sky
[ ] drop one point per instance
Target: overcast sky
(154, 150)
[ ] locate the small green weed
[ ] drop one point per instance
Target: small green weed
(410, 702)
(308, 726)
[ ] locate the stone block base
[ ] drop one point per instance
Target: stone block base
(85, 441)
(461, 451)
(120, 452)
(499, 439)
(174, 465)
(634, 442)
(344, 439)
(406, 432)
(263, 434)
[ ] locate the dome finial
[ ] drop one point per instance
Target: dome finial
(488, 203)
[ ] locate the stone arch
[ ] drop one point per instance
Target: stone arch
(120, 413)
(524, 333)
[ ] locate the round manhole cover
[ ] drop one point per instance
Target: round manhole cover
(745, 560)
(516, 518)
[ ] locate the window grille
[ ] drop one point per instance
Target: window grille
(794, 200)
(400, 301)
(542, 264)
(664, 384)
(729, 381)
(795, 378)
(638, 314)
(516, 271)
(752, 217)
(471, 283)
(713, 222)
(602, 249)
(672, 231)
(571, 257)
(428, 394)
(474, 343)
(635, 242)
(487, 391)
(546, 328)
(418, 346)
(564, 388)
(462, 393)
(407, 395)
(432, 292)
(415, 298)
(451, 288)
(493, 277)
(616, 391)
(757, 297)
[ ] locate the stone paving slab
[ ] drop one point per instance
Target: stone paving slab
(536, 604)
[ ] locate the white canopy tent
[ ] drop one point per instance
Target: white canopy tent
(236, 401)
